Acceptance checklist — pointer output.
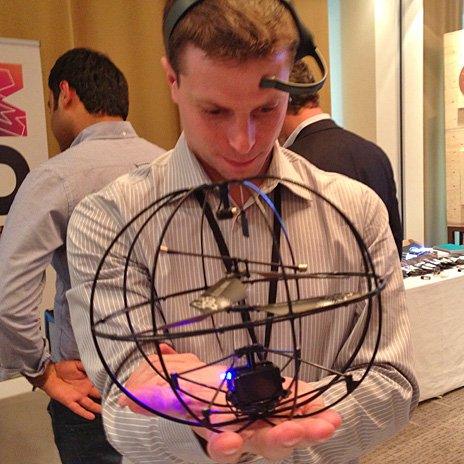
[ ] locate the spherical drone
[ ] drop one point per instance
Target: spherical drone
(252, 316)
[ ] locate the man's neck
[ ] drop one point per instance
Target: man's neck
(91, 119)
(292, 121)
(238, 194)
(78, 124)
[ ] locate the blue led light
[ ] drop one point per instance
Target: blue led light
(227, 375)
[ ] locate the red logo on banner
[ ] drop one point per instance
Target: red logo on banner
(12, 119)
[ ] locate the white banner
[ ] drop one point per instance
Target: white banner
(23, 136)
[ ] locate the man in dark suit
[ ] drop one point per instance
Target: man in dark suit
(310, 132)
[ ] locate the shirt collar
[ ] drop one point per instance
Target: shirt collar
(106, 130)
(186, 172)
(282, 167)
(306, 122)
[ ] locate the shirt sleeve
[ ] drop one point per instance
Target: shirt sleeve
(382, 404)
(93, 225)
(35, 227)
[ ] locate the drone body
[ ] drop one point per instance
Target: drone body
(230, 303)
(256, 389)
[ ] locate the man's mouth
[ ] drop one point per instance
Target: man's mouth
(240, 162)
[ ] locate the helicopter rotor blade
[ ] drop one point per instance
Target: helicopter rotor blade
(308, 304)
(220, 296)
(270, 275)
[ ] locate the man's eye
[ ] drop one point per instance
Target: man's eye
(267, 109)
(213, 112)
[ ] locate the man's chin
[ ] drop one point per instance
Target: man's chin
(240, 171)
(231, 170)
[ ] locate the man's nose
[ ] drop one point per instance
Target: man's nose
(242, 135)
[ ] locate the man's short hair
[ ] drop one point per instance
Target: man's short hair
(302, 74)
(100, 85)
(233, 30)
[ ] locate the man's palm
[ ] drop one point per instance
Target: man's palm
(68, 384)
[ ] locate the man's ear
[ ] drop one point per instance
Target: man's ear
(171, 77)
(67, 94)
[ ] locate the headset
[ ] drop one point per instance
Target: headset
(306, 48)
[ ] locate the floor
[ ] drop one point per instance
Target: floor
(25, 431)
(434, 436)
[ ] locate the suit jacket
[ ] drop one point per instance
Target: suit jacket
(334, 149)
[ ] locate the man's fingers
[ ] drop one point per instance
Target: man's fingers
(287, 435)
(94, 393)
(331, 416)
(317, 430)
(90, 405)
(124, 401)
(277, 443)
(225, 447)
(79, 365)
(167, 349)
(80, 411)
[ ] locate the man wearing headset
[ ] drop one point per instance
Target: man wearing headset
(225, 63)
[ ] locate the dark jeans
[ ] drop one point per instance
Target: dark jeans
(80, 441)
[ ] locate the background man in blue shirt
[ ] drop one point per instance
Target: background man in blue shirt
(88, 105)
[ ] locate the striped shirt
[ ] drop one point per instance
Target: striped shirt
(376, 410)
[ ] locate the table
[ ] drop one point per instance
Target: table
(436, 311)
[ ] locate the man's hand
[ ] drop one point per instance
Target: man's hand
(156, 393)
(271, 442)
(274, 443)
(67, 383)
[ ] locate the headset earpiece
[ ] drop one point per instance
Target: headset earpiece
(305, 48)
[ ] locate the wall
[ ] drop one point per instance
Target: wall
(353, 62)
(128, 31)
(365, 63)
(315, 15)
(440, 17)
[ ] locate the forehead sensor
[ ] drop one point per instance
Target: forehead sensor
(306, 48)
